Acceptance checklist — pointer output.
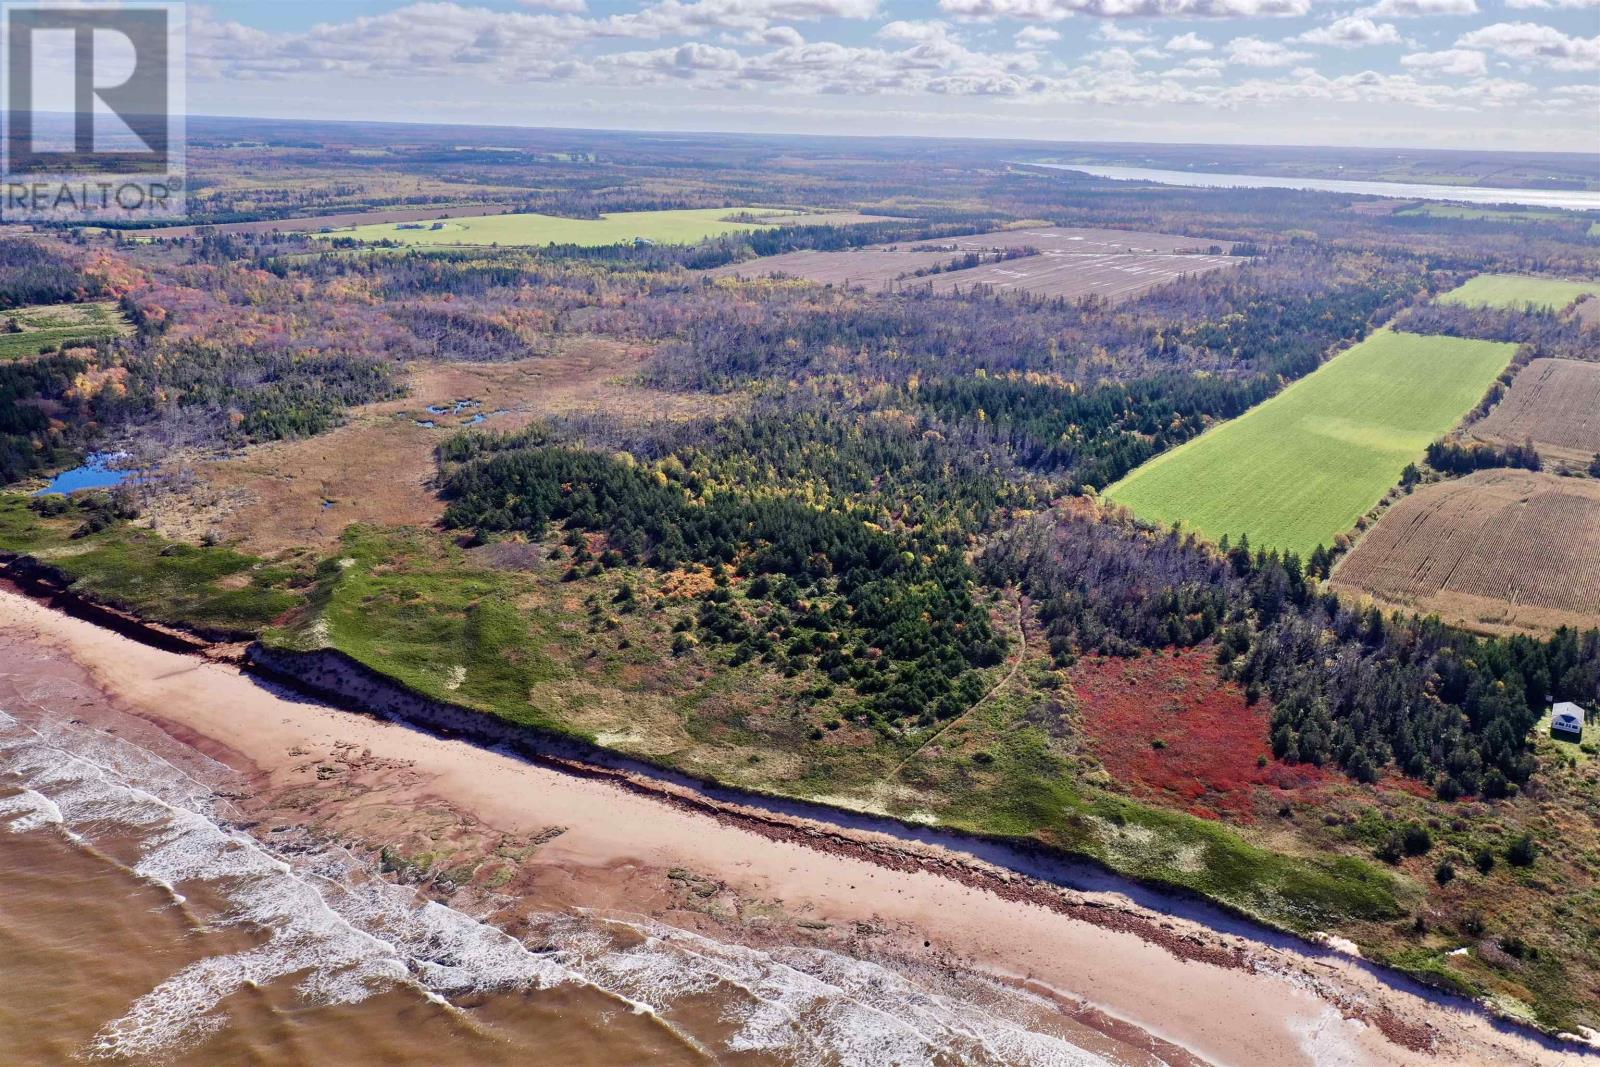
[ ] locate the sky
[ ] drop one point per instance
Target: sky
(1502, 74)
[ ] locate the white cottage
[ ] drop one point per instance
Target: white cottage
(1566, 722)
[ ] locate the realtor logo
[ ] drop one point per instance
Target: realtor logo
(93, 112)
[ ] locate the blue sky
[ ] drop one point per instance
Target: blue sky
(1449, 73)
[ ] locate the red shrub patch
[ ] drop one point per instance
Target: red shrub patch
(1168, 728)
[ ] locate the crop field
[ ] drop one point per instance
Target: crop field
(1072, 274)
(1491, 214)
(1516, 290)
(1555, 403)
(1068, 262)
(876, 269)
(1301, 468)
(29, 330)
(1500, 550)
(313, 223)
(526, 228)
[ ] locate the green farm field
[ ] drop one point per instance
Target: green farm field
(27, 331)
(1301, 468)
(1463, 211)
(664, 227)
(1515, 290)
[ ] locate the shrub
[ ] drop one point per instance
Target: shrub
(1417, 840)
(1445, 873)
(1522, 852)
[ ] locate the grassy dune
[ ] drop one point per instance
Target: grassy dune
(1515, 290)
(663, 227)
(1301, 468)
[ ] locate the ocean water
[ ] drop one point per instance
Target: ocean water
(142, 922)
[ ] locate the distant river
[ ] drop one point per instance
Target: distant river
(1548, 198)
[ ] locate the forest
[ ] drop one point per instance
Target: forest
(1349, 687)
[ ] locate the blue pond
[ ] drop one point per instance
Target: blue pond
(455, 408)
(96, 473)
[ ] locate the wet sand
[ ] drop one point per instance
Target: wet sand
(596, 845)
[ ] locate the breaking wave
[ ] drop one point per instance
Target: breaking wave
(339, 932)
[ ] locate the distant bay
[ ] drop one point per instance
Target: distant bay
(1577, 200)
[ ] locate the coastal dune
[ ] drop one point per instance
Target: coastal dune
(1133, 984)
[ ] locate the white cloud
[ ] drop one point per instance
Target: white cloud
(1354, 31)
(1411, 9)
(565, 7)
(1055, 10)
(1532, 42)
(1110, 31)
(1189, 42)
(1198, 69)
(1551, 5)
(915, 32)
(1457, 62)
(1254, 52)
(678, 56)
(1036, 36)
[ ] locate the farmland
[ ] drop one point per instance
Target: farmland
(1071, 275)
(29, 330)
(1515, 290)
(1490, 214)
(1503, 550)
(1555, 403)
(1300, 469)
(1062, 262)
(525, 228)
(313, 223)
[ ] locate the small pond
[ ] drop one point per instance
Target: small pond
(97, 472)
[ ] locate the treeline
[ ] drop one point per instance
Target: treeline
(1543, 333)
(1279, 316)
(1349, 687)
(1452, 457)
(1093, 435)
(892, 617)
(829, 447)
(34, 273)
(29, 441)
(238, 394)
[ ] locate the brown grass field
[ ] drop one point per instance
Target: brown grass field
(1501, 551)
(379, 466)
(1118, 264)
(1073, 274)
(1555, 403)
(866, 268)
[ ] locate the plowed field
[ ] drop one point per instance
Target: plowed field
(1503, 550)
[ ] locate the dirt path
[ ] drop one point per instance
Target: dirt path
(1022, 657)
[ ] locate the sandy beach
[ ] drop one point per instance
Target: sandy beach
(1138, 986)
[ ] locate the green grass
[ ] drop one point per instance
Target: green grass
(412, 606)
(1301, 468)
(1460, 211)
(140, 571)
(1515, 290)
(663, 227)
(47, 326)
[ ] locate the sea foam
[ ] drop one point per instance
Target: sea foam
(342, 933)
